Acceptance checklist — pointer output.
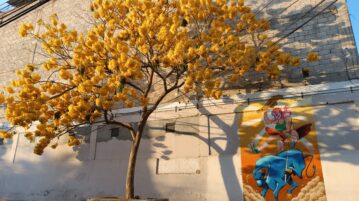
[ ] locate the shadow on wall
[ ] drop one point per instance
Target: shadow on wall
(338, 130)
(71, 175)
(231, 138)
(336, 127)
(329, 34)
(5, 144)
(5, 147)
(42, 178)
(109, 163)
(157, 143)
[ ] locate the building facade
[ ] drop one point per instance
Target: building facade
(204, 152)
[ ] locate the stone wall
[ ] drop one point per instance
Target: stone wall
(15, 52)
(328, 33)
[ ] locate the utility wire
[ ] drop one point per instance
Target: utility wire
(283, 10)
(310, 10)
(306, 22)
(258, 11)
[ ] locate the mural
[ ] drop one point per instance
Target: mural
(279, 151)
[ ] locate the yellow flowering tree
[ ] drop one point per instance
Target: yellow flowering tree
(192, 45)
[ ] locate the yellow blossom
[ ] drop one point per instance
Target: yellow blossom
(2, 98)
(25, 29)
(5, 134)
(10, 90)
(312, 57)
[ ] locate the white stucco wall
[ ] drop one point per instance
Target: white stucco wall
(181, 166)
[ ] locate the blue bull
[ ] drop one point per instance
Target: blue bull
(275, 171)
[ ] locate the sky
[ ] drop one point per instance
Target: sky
(3, 5)
(353, 6)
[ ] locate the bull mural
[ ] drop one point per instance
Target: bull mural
(279, 148)
(275, 171)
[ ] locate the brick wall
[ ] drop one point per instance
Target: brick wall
(329, 34)
(15, 52)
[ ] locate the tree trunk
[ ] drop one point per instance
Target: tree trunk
(130, 190)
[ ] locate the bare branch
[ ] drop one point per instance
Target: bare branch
(134, 86)
(128, 126)
(149, 85)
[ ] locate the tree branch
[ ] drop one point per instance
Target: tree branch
(128, 126)
(134, 86)
(62, 93)
(149, 85)
(159, 100)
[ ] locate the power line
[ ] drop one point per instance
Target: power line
(306, 22)
(261, 99)
(269, 2)
(283, 10)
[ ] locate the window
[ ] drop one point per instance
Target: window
(84, 132)
(115, 132)
(170, 127)
(187, 125)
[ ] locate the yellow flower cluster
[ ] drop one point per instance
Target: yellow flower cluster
(25, 29)
(133, 44)
(29, 136)
(39, 148)
(73, 141)
(312, 57)
(2, 98)
(6, 135)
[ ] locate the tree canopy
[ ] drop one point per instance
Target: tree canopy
(189, 44)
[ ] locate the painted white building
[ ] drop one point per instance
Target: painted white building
(199, 161)
(191, 153)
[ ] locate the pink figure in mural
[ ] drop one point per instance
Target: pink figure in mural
(279, 127)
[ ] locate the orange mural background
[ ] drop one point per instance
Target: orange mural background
(251, 124)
